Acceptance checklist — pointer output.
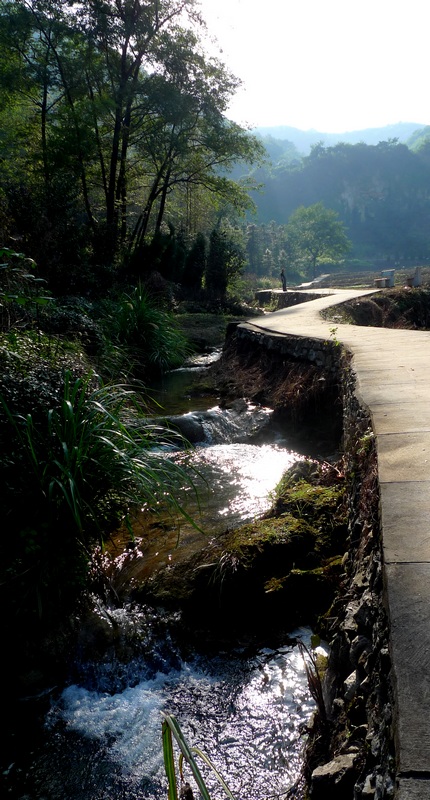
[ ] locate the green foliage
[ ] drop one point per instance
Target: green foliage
(195, 263)
(316, 233)
(20, 288)
(112, 121)
(268, 250)
(380, 193)
(170, 730)
(153, 340)
(67, 472)
(225, 262)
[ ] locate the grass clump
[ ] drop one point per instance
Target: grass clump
(146, 332)
(69, 470)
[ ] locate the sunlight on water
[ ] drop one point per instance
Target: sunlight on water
(234, 484)
(244, 713)
(102, 738)
(242, 476)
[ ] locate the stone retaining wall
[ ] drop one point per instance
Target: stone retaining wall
(350, 753)
(266, 297)
(317, 352)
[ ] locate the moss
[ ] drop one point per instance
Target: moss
(280, 541)
(307, 499)
(274, 585)
(323, 507)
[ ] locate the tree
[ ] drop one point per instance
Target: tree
(225, 261)
(185, 141)
(118, 109)
(195, 263)
(316, 232)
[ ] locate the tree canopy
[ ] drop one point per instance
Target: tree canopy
(112, 119)
(315, 233)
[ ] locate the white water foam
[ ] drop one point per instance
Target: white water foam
(244, 715)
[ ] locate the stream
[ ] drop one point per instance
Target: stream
(245, 707)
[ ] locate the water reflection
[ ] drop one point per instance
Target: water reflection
(245, 713)
(233, 485)
(179, 390)
(241, 478)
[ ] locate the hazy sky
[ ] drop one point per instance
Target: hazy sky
(332, 65)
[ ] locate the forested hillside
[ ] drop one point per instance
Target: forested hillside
(303, 141)
(380, 192)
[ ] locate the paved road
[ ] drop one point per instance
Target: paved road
(392, 370)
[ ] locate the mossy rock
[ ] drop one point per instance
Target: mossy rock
(286, 537)
(272, 574)
(269, 575)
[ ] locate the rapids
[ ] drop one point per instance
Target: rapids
(245, 708)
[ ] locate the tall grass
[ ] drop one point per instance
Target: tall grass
(170, 731)
(149, 333)
(70, 474)
(96, 448)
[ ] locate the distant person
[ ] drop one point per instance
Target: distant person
(283, 281)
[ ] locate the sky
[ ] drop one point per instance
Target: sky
(328, 65)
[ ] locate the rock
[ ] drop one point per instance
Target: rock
(359, 646)
(189, 426)
(350, 625)
(335, 779)
(368, 790)
(350, 686)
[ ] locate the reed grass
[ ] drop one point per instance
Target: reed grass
(149, 333)
(97, 448)
(68, 476)
(313, 675)
(171, 730)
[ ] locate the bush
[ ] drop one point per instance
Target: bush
(153, 341)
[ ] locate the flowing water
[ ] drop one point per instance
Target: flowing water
(244, 707)
(244, 711)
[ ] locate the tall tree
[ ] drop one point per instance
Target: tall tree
(315, 233)
(195, 263)
(185, 140)
(225, 261)
(128, 109)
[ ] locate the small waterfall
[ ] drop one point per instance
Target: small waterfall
(243, 422)
(244, 710)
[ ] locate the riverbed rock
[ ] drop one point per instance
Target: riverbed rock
(189, 426)
(274, 573)
(334, 780)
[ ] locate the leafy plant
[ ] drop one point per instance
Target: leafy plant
(96, 445)
(149, 333)
(67, 475)
(170, 729)
(333, 334)
(19, 286)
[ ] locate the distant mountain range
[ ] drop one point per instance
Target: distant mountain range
(303, 140)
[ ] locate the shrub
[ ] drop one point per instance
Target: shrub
(20, 288)
(150, 335)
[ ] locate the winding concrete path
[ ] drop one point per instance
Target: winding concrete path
(392, 369)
